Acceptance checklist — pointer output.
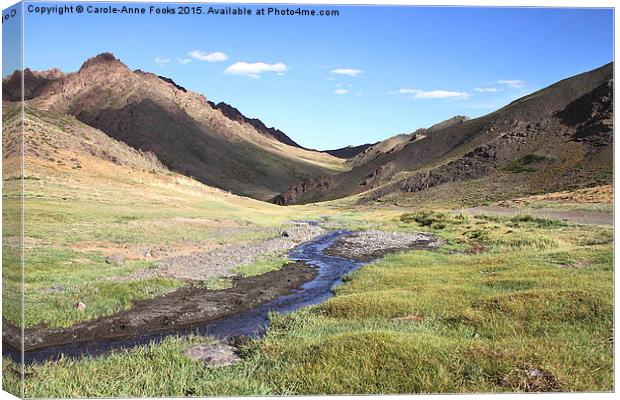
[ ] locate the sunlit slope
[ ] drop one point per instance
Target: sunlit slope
(72, 164)
(184, 130)
(555, 139)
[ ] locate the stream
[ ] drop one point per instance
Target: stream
(252, 322)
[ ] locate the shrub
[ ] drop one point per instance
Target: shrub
(426, 218)
(539, 222)
(525, 164)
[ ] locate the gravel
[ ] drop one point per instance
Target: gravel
(368, 245)
(220, 262)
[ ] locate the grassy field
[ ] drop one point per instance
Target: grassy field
(71, 231)
(508, 304)
(69, 245)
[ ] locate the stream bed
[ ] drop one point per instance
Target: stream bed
(316, 268)
(251, 322)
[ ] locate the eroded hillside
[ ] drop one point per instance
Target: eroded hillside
(187, 133)
(557, 138)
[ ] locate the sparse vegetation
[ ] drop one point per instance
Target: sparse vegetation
(528, 163)
(218, 283)
(269, 262)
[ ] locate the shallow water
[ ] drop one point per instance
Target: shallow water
(252, 322)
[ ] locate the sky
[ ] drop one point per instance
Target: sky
(331, 81)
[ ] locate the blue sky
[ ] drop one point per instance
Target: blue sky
(327, 82)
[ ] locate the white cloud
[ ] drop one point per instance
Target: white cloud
(434, 94)
(347, 71)
(253, 70)
(486, 90)
(513, 83)
(211, 57)
(184, 60)
(161, 61)
(341, 91)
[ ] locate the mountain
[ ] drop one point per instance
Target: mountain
(556, 138)
(349, 151)
(76, 166)
(396, 142)
(358, 155)
(235, 115)
(180, 128)
(33, 82)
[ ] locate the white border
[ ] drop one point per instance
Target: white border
(478, 3)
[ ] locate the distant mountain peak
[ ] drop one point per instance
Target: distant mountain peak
(350, 151)
(173, 83)
(33, 82)
(101, 59)
(234, 114)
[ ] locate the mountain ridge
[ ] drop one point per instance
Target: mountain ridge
(179, 126)
(472, 149)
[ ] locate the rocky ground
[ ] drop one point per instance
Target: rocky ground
(220, 262)
(371, 244)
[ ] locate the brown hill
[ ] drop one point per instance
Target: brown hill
(397, 142)
(187, 134)
(349, 151)
(235, 115)
(34, 81)
(556, 138)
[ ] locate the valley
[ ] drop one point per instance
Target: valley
(472, 256)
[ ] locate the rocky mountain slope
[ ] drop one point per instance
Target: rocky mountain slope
(559, 137)
(180, 128)
(397, 142)
(235, 115)
(34, 81)
(349, 151)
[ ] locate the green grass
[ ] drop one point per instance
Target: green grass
(54, 226)
(525, 164)
(218, 283)
(267, 263)
(533, 311)
(56, 279)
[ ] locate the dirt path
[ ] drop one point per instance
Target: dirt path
(580, 217)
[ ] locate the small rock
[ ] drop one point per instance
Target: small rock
(284, 234)
(218, 355)
(53, 289)
(115, 259)
(533, 372)
(80, 306)
(409, 318)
